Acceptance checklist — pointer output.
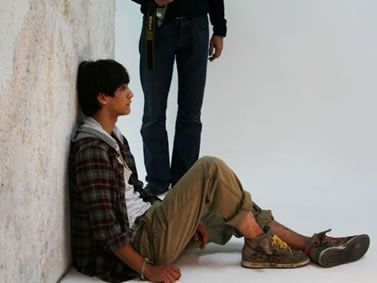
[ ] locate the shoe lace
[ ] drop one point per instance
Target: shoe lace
(318, 240)
(276, 241)
(321, 237)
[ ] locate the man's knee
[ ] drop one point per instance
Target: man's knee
(211, 161)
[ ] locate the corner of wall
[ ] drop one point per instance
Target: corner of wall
(42, 45)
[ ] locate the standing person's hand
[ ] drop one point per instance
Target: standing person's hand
(163, 2)
(216, 46)
(163, 273)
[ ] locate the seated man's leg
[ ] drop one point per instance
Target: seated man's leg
(322, 249)
(171, 224)
(219, 232)
(210, 183)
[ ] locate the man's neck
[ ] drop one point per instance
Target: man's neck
(106, 121)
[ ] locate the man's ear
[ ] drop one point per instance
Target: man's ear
(102, 98)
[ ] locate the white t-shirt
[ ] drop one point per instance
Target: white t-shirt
(136, 206)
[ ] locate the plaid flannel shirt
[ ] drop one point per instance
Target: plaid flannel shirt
(99, 222)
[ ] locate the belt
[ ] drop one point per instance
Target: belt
(178, 19)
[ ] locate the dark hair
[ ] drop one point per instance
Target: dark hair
(94, 77)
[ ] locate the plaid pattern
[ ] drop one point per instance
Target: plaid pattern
(99, 222)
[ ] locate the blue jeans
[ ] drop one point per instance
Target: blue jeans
(186, 42)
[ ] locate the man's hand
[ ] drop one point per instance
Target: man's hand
(163, 273)
(201, 235)
(163, 2)
(215, 47)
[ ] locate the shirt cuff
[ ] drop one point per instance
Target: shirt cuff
(115, 243)
(220, 28)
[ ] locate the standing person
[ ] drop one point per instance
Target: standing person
(183, 37)
(119, 231)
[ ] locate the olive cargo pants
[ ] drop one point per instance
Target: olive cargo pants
(209, 192)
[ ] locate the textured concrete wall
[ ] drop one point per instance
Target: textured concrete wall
(41, 43)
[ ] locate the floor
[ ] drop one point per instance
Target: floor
(347, 212)
(222, 264)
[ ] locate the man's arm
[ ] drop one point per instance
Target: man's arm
(97, 186)
(218, 21)
(163, 273)
(217, 17)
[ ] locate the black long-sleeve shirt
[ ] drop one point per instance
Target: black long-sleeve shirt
(195, 8)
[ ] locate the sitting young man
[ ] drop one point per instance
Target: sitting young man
(119, 231)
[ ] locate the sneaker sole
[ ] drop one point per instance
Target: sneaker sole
(350, 251)
(259, 265)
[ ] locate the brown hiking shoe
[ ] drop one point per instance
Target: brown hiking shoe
(331, 251)
(269, 251)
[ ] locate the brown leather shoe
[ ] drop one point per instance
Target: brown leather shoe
(269, 251)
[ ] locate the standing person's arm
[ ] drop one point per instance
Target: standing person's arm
(218, 21)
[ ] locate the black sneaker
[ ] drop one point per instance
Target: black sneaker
(331, 251)
(269, 251)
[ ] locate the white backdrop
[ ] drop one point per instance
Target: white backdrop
(291, 106)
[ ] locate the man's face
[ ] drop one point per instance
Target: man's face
(120, 103)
